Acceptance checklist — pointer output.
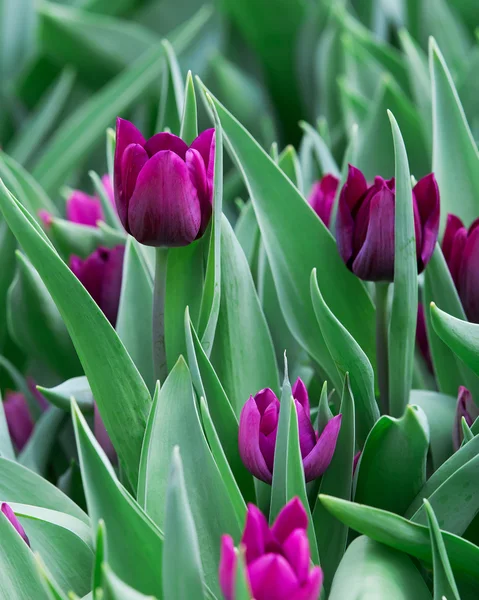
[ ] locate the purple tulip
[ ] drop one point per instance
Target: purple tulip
(101, 274)
(163, 188)
(259, 426)
(461, 251)
(8, 512)
(465, 408)
(365, 224)
(322, 197)
(278, 562)
(17, 414)
(421, 337)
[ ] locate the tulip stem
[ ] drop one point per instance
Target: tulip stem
(382, 344)
(159, 293)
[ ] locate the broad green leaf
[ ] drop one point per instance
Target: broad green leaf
(18, 19)
(402, 323)
(444, 584)
(35, 322)
(348, 358)
(189, 120)
(247, 233)
(6, 448)
(120, 392)
(288, 162)
(243, 353)
(20, 579)
(135, 543)
(455, 159)
(383, 480)
(321, 150)
(172, 98)
(116, 589)
(37, 451)
(19, 484)
(181, 568)
(101, 551)
(411, 538)
(331, 534)
(8, 246)
(74, 239)
(61, 394)
(277, 204)
(134, 322)
(174, 421)
(52, 589)
(371, 570)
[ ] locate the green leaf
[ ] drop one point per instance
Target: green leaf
(383, 480)
(73, 238)
(241, 586)
(135, 544)
(174, 421)
(189, 121)
(8, 246)
(134, 322)
(331, 534)
(321, 150)
(181, 568)
(101, 551)
(247, 234)
(6, 448)
(52, 588)
(444, 583)
(116, 589)
(18, 19)
(455, 160)
(243, 353)
(396, 532)
(371, 570)
(111, 216)
(61, 394)
(36, 453)
(277, 205)
(172, 100)
(288, 162)
(402, 324)
(120, 392)
(348, 358)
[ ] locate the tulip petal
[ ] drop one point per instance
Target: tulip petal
(464, 402)
(84, 209)
(292, 516)
(375, 260)
(468, 279)
(19, 421)
(205, 145)
(270, 418)
(317, 461)
(426, 194)
(11, 516)
(248, 442)
(46, 217)
(272, 578)
(90, 272)
(255, 535)
(296, 551)
(197, 171)
(310, 591)
(322, 197)
(344, 228)
(356, 187)
(267, 445)
(264, 398)
(453, 224)
(307, 436)
(227, 568)
(126, 134)
(107, 184)
(166, 141)
(356, 458)
(133, 161)
(300, 393)
(421, 337)
(164, 209)
(111, 284)
(456, 256)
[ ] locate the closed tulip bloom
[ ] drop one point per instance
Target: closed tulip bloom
(460, 247)
(365, 224)
(163, 188)
(322, 197)
(465, 408)
(278, 561)
(101, 274)
(8, 512)
(259, 426)
(17, 414)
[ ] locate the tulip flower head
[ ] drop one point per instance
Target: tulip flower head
(17, 414)
(365, 224)
(466, 408)
(278, 562)
(460, 247)
(101, 274)
(259, 426)
(8, 512)
(322, 197)
(163, 188)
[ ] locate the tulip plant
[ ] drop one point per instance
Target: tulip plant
(239, 347)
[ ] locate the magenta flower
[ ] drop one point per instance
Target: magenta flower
(101, 274)
(322, 197)
(163, 188)
(465, 408)
(278, 562)
(8, 512)
(421, 337)
(17, 414)
(461, 251)
(365, 224)
(258, 429)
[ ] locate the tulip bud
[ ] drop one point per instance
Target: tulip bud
(278, 562)
(460, 247)
(259, 426)
(101, 274)
(365, 224)
(8, 512)
(17, 414)
(421, 337)
(163, 188)
(465, 408)
(322, 197)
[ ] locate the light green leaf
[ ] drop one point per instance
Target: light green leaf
(6, 448)
(8, 246)
(61, 394)
(111, 216)
(72, 238)
(242, 586)
(321, 150)
(116, 589)
(189, 120)
(18, 19)
(52, 588)
(36, 453)
(288, 162)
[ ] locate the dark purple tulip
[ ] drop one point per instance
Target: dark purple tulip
(465, 408)
(278, 561)
(163, 188)
(8, 512)
(17, 414)
(365, 224)
(322, 197)
(421, 337)
(461, 251)
(101, 274)
(259, 425)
